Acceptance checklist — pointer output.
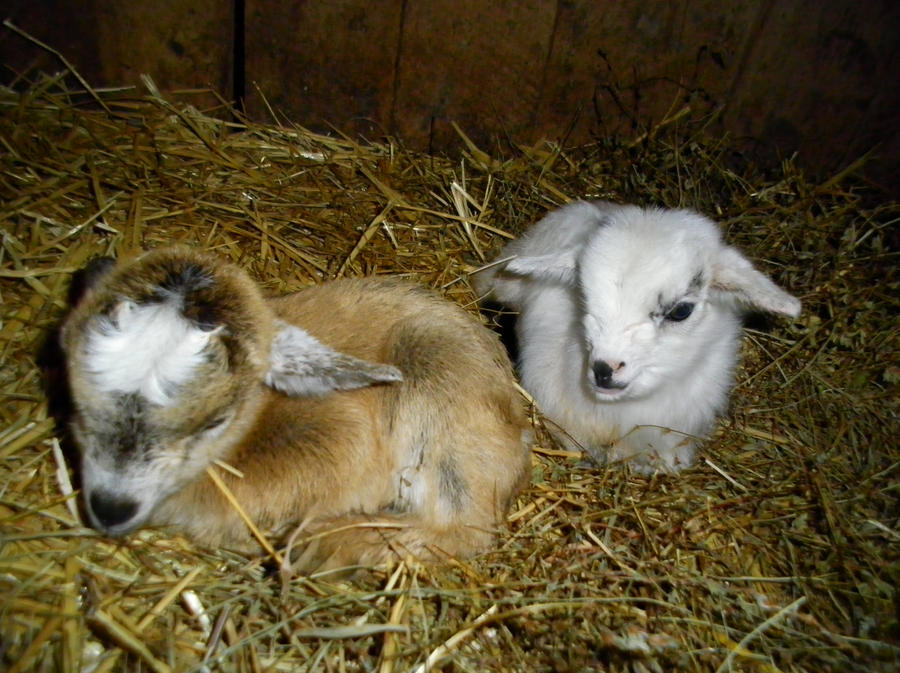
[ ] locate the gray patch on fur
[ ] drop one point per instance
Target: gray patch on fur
(451, 483)
(124, 434)
(697, 283)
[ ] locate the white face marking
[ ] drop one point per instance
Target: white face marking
(146, 349)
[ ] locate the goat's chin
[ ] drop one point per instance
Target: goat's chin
(607, 395)
(121, 530)
(639, 388)
(138, 521)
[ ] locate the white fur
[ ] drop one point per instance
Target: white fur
(593, 283)
(149, 350)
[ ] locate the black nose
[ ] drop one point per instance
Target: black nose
(603, 375)
(111, 510)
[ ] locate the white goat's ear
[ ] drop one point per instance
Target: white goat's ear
(734, 274)
(299, 364)
(558, 267)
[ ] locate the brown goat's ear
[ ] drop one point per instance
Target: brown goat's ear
(299, 364)
(87, 278)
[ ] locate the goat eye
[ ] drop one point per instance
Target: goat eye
(681, 311)
(215, 423)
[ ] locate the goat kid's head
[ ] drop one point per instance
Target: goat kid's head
(655, 289)
(167, 358)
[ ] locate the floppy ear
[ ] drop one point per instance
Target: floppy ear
(558, 267)
(734, 274)
(299, 364)
(86, 279)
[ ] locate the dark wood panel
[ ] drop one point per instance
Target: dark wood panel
(796, 76)
(324, 63)
(821, 79)
(111, 43)
(617, 68)
(476, 63)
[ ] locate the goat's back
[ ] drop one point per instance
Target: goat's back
(457, 397)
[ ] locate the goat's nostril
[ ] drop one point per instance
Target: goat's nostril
(603, 374)
(111, 510)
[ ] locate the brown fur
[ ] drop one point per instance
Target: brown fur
(426, 466)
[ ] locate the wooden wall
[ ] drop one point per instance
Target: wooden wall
(819, 78)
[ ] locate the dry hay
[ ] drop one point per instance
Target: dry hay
(778, 552)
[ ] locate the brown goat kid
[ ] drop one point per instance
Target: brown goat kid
(378, 415)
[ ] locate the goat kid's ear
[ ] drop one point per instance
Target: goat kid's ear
(556, 267)
(299, 364)
(734, 274)
(86, 279)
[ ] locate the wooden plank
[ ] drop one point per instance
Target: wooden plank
(471, 62)
(111, 43)
(323, 63)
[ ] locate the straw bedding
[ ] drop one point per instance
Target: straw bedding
(779, 551)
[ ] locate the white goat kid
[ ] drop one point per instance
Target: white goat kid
(629, 325)
(373, 411)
